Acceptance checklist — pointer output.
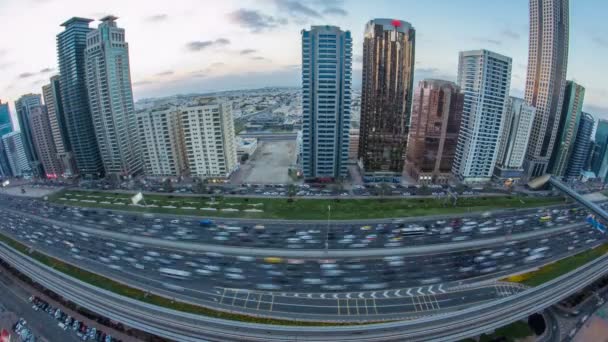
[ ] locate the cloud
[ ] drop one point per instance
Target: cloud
(142, 83)
(248, 51)
(259, 58)
(26, 75)
(433, 73)
(510, 34)
(296, 9)
(157, 18)
(601, 41)
(488, 41)
(47, 70)
(165, 73)
(254, 20)
(337, 11)
(202, 45)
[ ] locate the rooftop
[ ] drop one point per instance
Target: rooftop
(76, 20)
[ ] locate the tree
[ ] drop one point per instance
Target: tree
(168, 185)
(291, 192)
(384, 189)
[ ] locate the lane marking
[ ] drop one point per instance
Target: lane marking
(335, 295)
(271, 302)
(414, 304)
(420, 292)
(347, 307)
(322, 295)
(234, 294)
(431, 290)
(309, 295)
(441, 288)
(246, 300)
(348, 295)
(373, 295)
(397, 293)
(375, 306)
(357, 306)
(361, 295)
(222, 298)
(339, 313)
(365, 302)
(385, 294)
(409, 292)
(260, 301)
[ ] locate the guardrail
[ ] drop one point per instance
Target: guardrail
(182, 326)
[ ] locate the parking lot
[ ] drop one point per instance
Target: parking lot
(269, 164)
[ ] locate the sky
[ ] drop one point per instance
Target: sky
(196, 46)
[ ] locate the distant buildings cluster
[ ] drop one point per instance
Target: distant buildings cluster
(434, 132)
(471, 131)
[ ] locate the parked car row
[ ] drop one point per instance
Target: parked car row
(66, 322)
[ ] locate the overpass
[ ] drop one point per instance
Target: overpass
(561, 186)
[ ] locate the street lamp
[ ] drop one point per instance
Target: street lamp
(327, 229)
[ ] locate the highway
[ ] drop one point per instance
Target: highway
(353, 288)
(185, 327)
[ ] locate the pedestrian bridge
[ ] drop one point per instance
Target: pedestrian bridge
(539, 182)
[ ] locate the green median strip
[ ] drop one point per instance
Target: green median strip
(298, 209)
(127, 291)
(561, 267)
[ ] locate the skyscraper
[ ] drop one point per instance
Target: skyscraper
(601, 145)
(108, 80)
(386, 96)
(433, 133)
(326, 95)
(568, 126)
(43, 141)
(582, 146)
(518, 119)
(15, 153)
(485, 79)
(71, 44)
(23, 106)
(6, 124)
(546, 79)
(162, 141)
(209, 143)
(52, 99)
(5, 167)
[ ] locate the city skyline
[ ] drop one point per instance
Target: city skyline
(191, 62)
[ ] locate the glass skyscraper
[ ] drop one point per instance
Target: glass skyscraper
(326, 96)
(6, 125)
(386, 97)
(71, 44)
(582, 146)
(24, 106)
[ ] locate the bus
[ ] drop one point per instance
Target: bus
(173, 273)
(414, 231)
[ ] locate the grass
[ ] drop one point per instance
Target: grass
(302, 209)
(127, 291)
(511, 332)
(556, 269)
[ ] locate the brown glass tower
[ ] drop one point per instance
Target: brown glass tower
(386, 97)
(434, 127)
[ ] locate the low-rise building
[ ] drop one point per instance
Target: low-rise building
(245, 146)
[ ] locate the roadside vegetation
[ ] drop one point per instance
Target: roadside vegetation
(297, 209)
(509, 333)
(127, 291)
(556, 269)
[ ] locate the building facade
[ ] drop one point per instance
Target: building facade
(433, 134)
(6, 124)
(108, 83)
(44, 144)
(485, 79)
(15, 153)
(354, 134)
(546, 78)
(5, 167)
(582, 146)
(386, 96)
(209, 140)
(23, 107)
(161, 136)
(600, 157)
(71, 45)
(326, 96)
(518, 118)
(568, 126)
(54, 107)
